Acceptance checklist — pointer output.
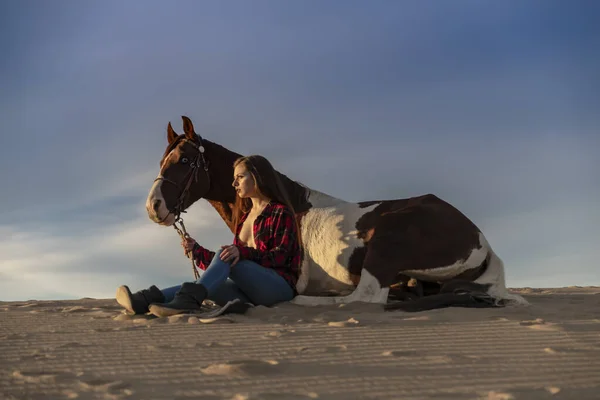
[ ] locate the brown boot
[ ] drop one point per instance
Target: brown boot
(138, 302)
(187, 299)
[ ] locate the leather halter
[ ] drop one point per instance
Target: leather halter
(192, 176)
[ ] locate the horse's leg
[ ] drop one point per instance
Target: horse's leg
(369, 290)
(459, 285)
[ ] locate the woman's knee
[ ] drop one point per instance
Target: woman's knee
(217, 258)
(218, 254)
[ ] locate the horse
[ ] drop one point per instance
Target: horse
(351, 251)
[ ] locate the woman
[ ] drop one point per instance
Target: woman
(260, 267)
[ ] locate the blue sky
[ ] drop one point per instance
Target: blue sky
(492, 106)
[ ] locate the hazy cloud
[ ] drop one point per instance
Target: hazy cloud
(492, 107)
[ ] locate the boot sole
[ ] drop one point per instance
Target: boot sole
(124, 299)
(160, 311)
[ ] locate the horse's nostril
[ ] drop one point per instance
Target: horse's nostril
(155, 205)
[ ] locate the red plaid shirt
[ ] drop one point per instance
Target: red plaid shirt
(276, 239)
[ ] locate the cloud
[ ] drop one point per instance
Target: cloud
(135, 252)
(491, 108)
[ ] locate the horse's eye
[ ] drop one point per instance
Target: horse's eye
(184, 160)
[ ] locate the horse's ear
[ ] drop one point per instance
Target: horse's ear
(188, 128)
(171, 135)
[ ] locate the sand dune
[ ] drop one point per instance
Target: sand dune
(89, 349)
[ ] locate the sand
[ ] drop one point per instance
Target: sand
(89, 349)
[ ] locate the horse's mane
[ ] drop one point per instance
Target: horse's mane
(298, 194)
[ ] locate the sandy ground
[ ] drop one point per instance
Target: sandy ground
(89, 349)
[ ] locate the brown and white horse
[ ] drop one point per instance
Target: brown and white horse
(360, 249)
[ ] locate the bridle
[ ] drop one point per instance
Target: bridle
(198, 162)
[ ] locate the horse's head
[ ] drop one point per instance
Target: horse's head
(183, 178)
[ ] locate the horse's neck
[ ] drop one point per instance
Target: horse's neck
(304, 198)
(225, 211)
(320, 199)
(222, 195)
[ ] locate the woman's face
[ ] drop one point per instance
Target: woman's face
(243, 182)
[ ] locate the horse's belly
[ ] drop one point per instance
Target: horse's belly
(333, 278)
(447, 272)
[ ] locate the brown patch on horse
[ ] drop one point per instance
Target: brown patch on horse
(365, 204)
(474, 273)
(355, 263)
(355, 279)
(406, 232)
(357, 258)
(299, 216)
(220, 160)
(367, 235)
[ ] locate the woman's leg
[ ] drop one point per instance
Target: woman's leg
(248, 282)
(215, 279)
(215, 275)
(190, 295)
(138, 302)
(263, 286)
(228, 291)
(259, 285)
(169, 292)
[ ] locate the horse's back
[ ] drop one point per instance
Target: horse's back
(425, 231)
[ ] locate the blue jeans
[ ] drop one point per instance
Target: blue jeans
(246, 280)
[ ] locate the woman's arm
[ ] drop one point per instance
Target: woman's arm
(202, 257)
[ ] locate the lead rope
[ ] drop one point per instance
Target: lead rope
(193, 176)
(184, 235)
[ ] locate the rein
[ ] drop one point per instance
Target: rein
(184, 235)
(192, 176)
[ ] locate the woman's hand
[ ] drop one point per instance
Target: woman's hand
(230, 253)
(188, 244)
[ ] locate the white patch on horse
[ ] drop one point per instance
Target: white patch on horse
(161, 215)
(329, 237)
(448, 272)
(368, 291)
(494, 275)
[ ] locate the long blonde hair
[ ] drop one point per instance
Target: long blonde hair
(268, 183)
